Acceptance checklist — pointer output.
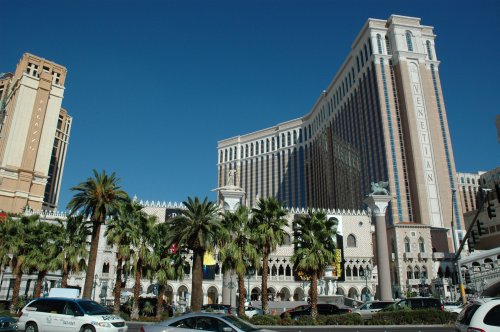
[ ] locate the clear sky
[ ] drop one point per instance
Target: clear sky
(154, 85)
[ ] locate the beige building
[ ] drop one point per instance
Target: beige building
(468, 187)
(34, 134)
(382, 118)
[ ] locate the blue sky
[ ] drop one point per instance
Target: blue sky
(153, 85)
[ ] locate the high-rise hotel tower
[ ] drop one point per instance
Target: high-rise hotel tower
(382, 118)
(34, 133)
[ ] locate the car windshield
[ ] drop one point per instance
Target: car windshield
(93, 308)
(240, 324)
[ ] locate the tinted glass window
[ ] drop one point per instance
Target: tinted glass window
(93, 308)
(493, 316)
(431, 303)
(40, 305)
(210, 324)
(467, 313)
(188, 323)
(56, 306)
(380, 305)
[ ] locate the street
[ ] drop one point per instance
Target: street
(135, 326)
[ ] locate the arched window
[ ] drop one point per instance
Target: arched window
(274, 271)
(283, 140)
(416, 273)
(246, 151)
(348, 271)
(429, 49)
(220, 158)
(424, 272)
(287, 240)
(267, 145)
(262, 146)
(256, 148)
(294, 137)
(421, 245)
(105, 268)
(288, 139)
(393, 246)
(409, 273)
(407, 244)
(351, 241)
(409, 41)
(379, 43)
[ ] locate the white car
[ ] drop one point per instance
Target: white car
(368, 309)
(252, 311)
(482, 315)
(59, 314)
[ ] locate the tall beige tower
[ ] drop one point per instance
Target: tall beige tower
(34, 134)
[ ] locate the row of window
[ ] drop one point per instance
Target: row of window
(33, 70)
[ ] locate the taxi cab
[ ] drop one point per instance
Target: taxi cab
(59, 314)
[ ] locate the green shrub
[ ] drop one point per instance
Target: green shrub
(265, 320)
(345, 319)
(305, 320)
(415, 317)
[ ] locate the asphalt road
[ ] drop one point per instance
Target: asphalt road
(134, 327)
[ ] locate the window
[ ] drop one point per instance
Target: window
(409, 41)
(421, 246)
(388, 45)
(105, 268)
(429, 50)
(493, 316)
(407, 244)
(351, 241)
(32, 69)
(379, 43)
(409, 273)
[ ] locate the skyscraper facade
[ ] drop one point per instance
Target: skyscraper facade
(382, 118)
(34, 134)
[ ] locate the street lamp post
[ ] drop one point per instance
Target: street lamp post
(367, 275)
(93, 289)
(250, 272)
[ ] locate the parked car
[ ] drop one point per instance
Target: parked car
(416, 303)
(454, 307)
(8, 324)
(253, 311)
(369, 308)
(67, 314)
(217, 308)
(323, 309)
(202, 322)
(482, 315)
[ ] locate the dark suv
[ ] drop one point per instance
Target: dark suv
(417, 303)
(323, 309)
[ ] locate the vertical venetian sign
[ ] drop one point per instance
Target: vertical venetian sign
(427, 156)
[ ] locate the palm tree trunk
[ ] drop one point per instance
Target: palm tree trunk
(39, 283)
(137, 287)
(65, 273)
(314, 295)
(241, 289)
(197, 280)
(94, 245)
(117, 292)
(159, 302)
(265, 267)
(15, 291)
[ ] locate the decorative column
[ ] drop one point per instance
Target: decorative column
(377, 201)
(230, 200)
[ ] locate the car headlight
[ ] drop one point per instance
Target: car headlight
(102, 324)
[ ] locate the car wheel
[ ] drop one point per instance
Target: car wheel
(87, 328)
(31, 327)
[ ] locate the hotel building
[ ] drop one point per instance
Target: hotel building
(382, 118)
(34, 133)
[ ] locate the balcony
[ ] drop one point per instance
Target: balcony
(409, 255)
(413, 282)
(424, 255)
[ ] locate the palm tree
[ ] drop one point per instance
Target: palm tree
(171, 265)
(142, 258)
(42, 251)
(239, 253)
(71, 240)
(17, 234)
(268, 225)
(196, 229)
(96, 198)
(119, 232)
(314, 236)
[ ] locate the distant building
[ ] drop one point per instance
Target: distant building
(34, 134)
(468, 187)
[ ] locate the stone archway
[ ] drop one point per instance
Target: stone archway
(255, 294)
(353, 293)
(212, 295)
(284, 294)
(298, 294)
